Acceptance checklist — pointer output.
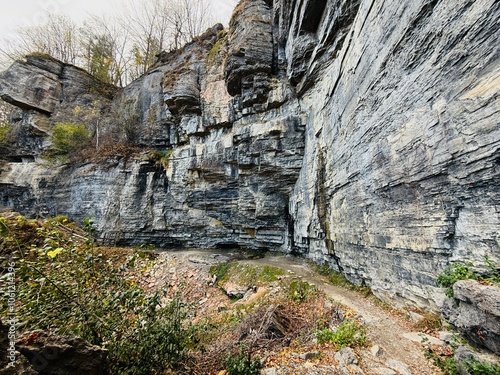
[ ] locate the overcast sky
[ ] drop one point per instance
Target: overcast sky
(16, 13)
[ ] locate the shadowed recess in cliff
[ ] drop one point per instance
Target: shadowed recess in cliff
(317, 33)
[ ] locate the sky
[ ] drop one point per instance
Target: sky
(15, 13)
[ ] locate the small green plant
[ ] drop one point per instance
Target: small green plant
(336, 278)
(269, 274)
(218, 46)
(161, 158)
(220, 270)
(89, 227)
(493, 271)
(450, 366)
(481, 368)
(68, 137)
(447, 364)
(242, 364)
(463, 271)
(299, 290)
(348, 334)
(5, 133)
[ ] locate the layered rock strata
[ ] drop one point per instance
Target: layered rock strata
(359, 133)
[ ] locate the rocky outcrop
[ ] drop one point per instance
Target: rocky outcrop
(249, 62)
(11, 361)
(48, 91)
(358, 133)
(51, 354)
(475, 312)
(227, 173)
(39, 352)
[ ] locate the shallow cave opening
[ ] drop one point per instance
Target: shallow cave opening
(228, 245)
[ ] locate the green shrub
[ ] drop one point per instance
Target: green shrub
(156, 342)
(68, 137)
(242, 364)
(299, 290)
(68, 287)
(481, 368)
(220, 270)
(493, 271)
(463, 271)
(450, 366)
(447, 364)
(161, 158)
(347, 334)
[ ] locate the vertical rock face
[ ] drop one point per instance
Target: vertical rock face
(401, 172)
(359, 133)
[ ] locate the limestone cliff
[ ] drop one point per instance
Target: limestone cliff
(361, 133)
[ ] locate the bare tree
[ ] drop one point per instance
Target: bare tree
(157, 25)
(114, 49)
(57, 37)
(188, 19)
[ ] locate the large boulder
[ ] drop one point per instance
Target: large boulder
(11, 361)
(51, 354)
(475, 312)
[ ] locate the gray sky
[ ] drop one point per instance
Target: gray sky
(16, 13)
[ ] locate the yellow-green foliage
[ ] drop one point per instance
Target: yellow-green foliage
(219, 45)
(68, 137)
(5, 131)
(300, 291)
(348, 334)
(162, 158)
(67, 286)
(246, 274)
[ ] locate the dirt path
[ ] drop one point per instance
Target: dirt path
(384, 329)
(397, 355)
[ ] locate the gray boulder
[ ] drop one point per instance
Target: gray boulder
(475, 312)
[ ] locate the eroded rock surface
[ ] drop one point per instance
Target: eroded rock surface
(475, 312)
(359, 133)
(39, 352)
(400, 173)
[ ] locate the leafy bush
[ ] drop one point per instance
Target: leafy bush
(493, 271)
(481, 368)
(68, 137)
(242, 364)
(56, 267)
(156, 342)
(299, 290)
(450, 366)
(348, 334)
(162, 158)
(463, 271)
